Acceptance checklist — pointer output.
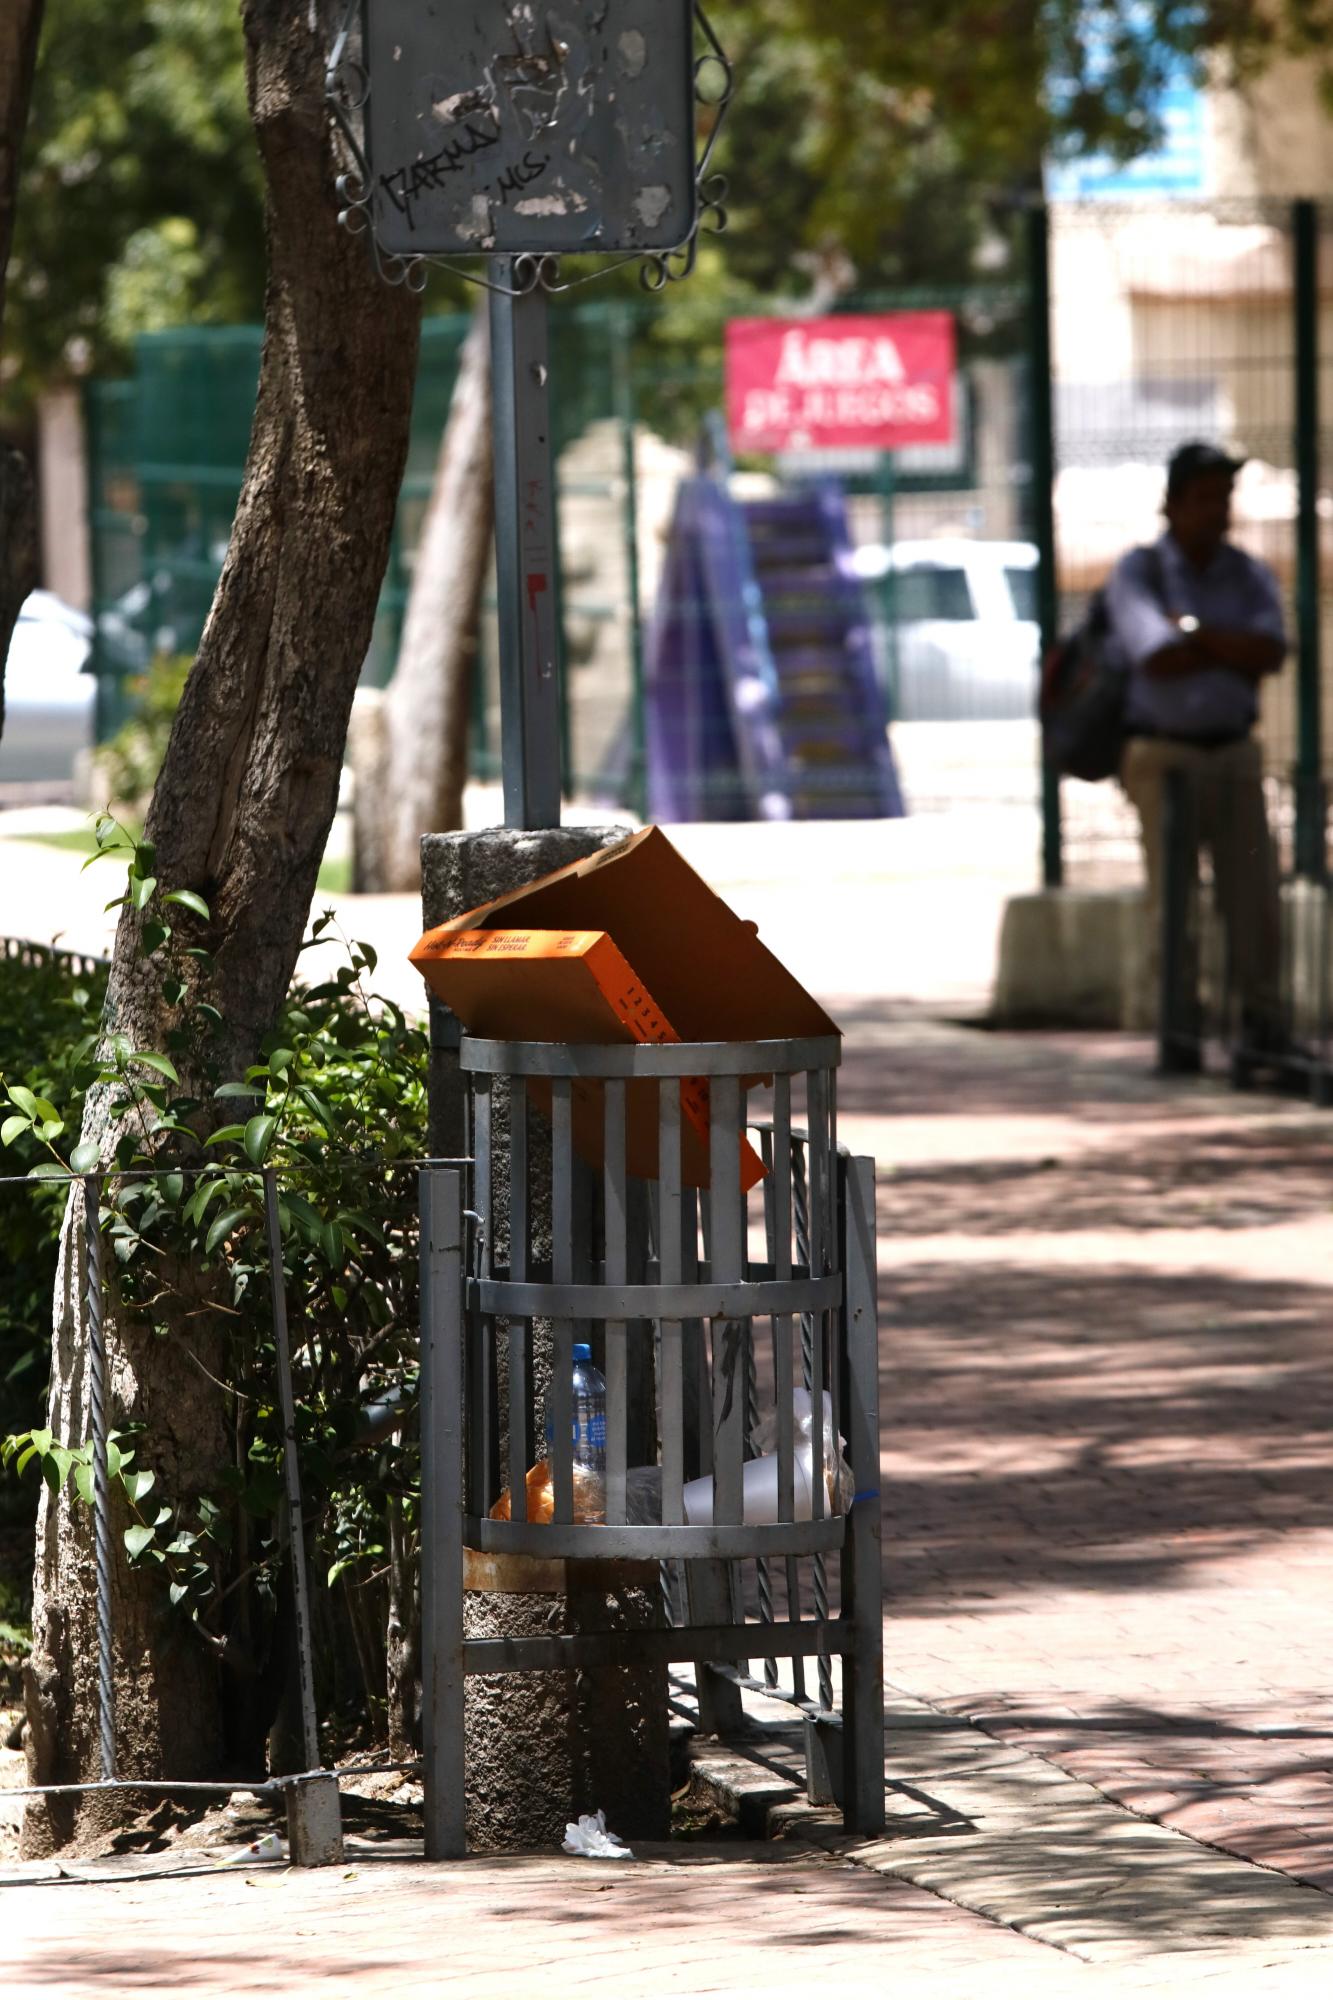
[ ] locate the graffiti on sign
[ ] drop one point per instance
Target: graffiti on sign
(507, 126)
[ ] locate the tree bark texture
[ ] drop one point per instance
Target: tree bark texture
(20, 30)
(241, 813)
(410, 779)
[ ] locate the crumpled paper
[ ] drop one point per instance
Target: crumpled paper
(590, 1837)
(268, 1847)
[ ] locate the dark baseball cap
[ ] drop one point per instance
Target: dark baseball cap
(1194, 461)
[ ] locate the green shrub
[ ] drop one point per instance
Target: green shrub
(46, 1005)
(336, 1105)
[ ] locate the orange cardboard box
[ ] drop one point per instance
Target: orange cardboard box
(704, 968)
(572, 986)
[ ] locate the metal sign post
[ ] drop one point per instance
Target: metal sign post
(525, 556)
(520, 132)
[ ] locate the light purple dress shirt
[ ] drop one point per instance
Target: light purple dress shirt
(1151, 586)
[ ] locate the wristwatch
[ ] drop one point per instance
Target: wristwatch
(1188, 624)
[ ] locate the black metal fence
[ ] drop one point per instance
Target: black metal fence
(1177, 321)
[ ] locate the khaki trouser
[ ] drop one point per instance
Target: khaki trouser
(1225, 814)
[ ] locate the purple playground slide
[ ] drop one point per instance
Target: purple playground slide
(762, 697)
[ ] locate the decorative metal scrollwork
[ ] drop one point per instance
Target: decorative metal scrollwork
(347, 88)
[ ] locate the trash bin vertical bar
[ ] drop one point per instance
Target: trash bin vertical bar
(525, 549)
(520, 1438)
(814, 1329)
(441, 1193)
(93, 1300)
(1310, 810)
(562, 1272)
(728, 1251)
(783, 1379)
(672, 1257)
(863, 1663)
(484, 1430)
(291, 1471)
(711, 1592)
(616, 1231)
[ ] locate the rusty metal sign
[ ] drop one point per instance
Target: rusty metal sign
(498, 127)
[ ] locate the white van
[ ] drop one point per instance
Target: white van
(958, 634)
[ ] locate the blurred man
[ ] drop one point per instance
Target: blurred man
(1200, 624)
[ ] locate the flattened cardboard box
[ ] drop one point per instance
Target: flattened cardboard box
(706, 972)
(578, 985)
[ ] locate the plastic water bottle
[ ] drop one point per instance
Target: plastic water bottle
(588, 1386)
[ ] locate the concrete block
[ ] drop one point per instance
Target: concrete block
(1073, 958)
(314, 1821)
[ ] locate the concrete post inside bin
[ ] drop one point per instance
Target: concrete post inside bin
(541, 1748)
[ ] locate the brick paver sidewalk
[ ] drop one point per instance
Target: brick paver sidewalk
(1108, 1393)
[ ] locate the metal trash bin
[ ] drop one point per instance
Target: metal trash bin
(608, 1203)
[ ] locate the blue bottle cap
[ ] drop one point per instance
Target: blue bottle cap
(582, 1351)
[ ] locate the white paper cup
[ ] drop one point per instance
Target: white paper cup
(759, 1491)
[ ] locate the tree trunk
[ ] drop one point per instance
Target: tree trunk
(241, 813)
(20, 29)
(412, 763)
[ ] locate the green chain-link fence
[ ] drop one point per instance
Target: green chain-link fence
(167, 450)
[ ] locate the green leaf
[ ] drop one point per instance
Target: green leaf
(83, 1483)
(86, 1157)
(136, 1484)
(281, 1061)
(48, 1171)
(141, 890)
(313, 1102)
(154, 935)
(188, 900)
(162, 1064)
(11, 1128)
(137, 1539)
(225, 1132)
(222, 1228)
(206, 1193)
(369, 953)
(177, 1591)
(235, 1090)
(19, 1094)
(258, 1133)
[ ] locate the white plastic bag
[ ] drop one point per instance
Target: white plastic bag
(839, 1484)
(590, 1837)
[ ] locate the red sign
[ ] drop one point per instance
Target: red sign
(881, 380)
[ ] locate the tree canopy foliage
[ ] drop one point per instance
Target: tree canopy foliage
(139, 204)
(877, 145)
(866, 146)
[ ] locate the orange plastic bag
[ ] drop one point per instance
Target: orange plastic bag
(589, 1497)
